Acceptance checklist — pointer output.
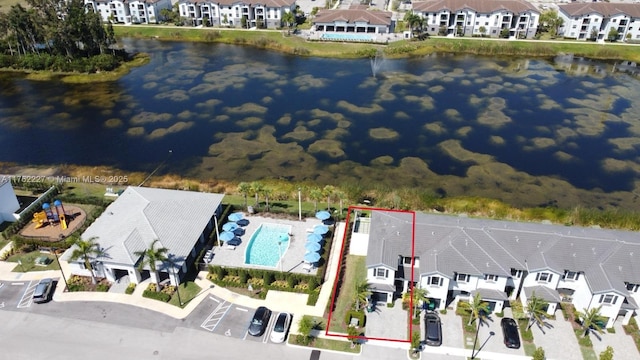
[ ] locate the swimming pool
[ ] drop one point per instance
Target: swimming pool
(346, 37)
(263, 248)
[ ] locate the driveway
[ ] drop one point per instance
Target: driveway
(387, 323)
(558, 341)
(622, 344)
(494, 343)
(451, 330)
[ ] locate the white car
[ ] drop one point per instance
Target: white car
(281, 328)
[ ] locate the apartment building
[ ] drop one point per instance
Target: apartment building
(595, 21)
(256, 13)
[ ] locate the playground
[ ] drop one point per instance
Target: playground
(54, 222)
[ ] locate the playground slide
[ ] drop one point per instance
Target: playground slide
(63, 222)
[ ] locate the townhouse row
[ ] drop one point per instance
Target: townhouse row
(454, 258)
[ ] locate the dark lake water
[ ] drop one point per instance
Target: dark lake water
(562, 131)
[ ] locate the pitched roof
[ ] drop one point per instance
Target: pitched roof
(353, 15)
(266, 3)
(545, 293)
(447, 244)
(604, 8)
(480, 6)
(141, 215)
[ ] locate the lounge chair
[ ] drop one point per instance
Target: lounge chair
(230, 247)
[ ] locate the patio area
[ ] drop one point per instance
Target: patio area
(292, 259)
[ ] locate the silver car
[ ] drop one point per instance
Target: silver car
(281, 328)
(43, 291)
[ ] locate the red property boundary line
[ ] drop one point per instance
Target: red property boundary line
(334, 291)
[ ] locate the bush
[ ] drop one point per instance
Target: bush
(539, 354)
(244, 276)
(102, 287)
(130, 289)
(443, 311)
(156, 295)
(500, 314)
(355, 314)
(313, 298)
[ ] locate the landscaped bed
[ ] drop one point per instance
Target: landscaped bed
(84, 283)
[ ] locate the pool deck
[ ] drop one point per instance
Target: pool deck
(292, 259)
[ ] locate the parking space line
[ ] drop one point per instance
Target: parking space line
(245, 334)
(20, 283)
(214, 299)
(241, 309)
(269, 328)
(27, 297)
(212, 321)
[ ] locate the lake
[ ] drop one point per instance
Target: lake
(530, 132)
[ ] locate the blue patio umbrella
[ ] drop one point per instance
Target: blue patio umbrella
(236, 216)
(314, 237)
(320, 229)
(227, 235)
(323, 215)
(312, 257)
(312, 246)
(230, 226)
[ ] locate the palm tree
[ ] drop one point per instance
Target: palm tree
(244, 189)
(151, 257)
(256, 188)
(536, 310)
(415, 297)
(86, 250)
(329, 191)
(477, 308)
(362, 294)
(341, 195)
(267, 191)
(289, 19)
(316, 195)
(411, 19)
(592, 320)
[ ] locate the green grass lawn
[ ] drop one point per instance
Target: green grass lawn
(188, 290)
(28, 262)
(329, 344)
(6, 4)
(355, 271)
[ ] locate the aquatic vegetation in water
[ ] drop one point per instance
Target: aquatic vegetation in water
(135, 131)
(540, 143)
(306, 82)
(425, 102)
(173, 95)
(401, 115)
(147, 117)
(382, 160)
(383, 134)
(464, 131)
(332, 148)
(300, 133)
(563, 156)
(497, 140)
(454, 149)
(625, 144)
(221, 118)
(284, 120)
(246, 108)
(319, 113)
(267, 100)
(435, 128)
(203, 88)
(374, 108)
(453, 114)
(113, 123)
(615, 165)
(493, 115)
(335, 134)
(209, 104)
(150, 85)
(175, 128)
(249, 121)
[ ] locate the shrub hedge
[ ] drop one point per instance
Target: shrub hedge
(156, 295)
(355, 314)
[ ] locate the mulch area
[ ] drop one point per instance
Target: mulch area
(53, 232)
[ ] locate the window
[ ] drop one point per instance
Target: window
(382, 272)
(544, 277)
(571, 275)
(608, 299)
(632, 287)
(490, 277)
(516, 273)
(463, 278)
(435, 281)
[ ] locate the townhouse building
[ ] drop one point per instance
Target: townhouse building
(454, 258)
(518, 18)
(234, 13)
(595, 21)
(129, 11)
(356, 19)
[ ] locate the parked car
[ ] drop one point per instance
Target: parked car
(281, 328)
(510, 333)
(43, 291)
(260, 321)
(432, 329)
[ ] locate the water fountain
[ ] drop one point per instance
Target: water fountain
(376, 62)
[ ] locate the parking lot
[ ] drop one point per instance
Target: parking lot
(17, 294)
(224, 318)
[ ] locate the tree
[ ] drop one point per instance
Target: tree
(613, 34)
(316, 195)
(411, 19)
(305, 327)
(504, 33)
(256, 189)
(483, 31)
(86, 250)
(151, 257)
(352, 334)
(329, 191)
(535, 309)
(477, 308)
(591, 320)
(244, 189)
(607, 354)
(594, 34)
(267, 192)
(362, 293)
(538, 354)
(341, 195)
(289, 20)
(415, 297)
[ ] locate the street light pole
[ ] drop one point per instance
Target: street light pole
(175, 276)
(475, 342)
(299, 205)
(55, 253)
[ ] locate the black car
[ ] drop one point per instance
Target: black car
(432, 329)
(510, 332)
(260, 321)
